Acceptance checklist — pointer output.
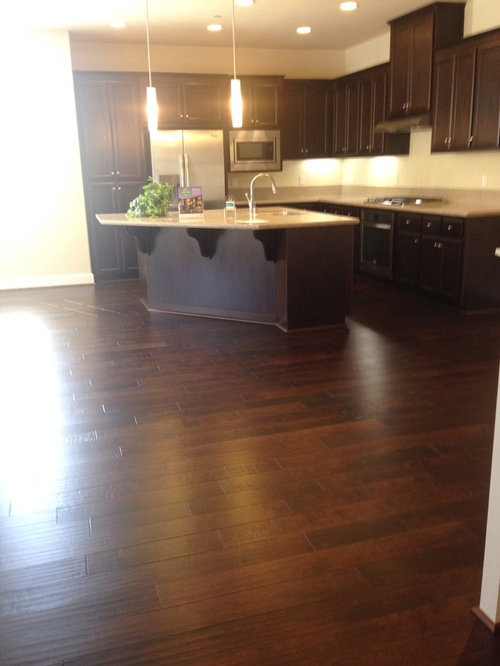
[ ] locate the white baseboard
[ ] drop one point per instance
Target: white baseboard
(36, 281)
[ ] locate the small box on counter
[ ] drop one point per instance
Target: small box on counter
(190, 202)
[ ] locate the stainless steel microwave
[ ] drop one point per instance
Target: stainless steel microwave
(255, 150)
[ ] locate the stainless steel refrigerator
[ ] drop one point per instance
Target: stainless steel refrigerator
(191, 158)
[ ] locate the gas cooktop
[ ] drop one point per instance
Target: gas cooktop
(402, 201)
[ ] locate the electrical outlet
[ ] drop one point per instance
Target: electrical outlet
(484, 180)
(302, 179)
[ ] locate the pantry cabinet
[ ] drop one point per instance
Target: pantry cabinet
(113, 141)
(111, 121)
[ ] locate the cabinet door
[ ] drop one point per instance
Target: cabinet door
(372, 98)
(112, 250)
(205, 103)
(127, 104)
(411, 63)
(317, 119)
(95, 127)
(430, 265)
(421, 51)
(463, 94)
(400, 67)
(346, 99)
(292, 141)
(407, 258)
(451, 265)
(261, 103)
(170, 104)
(443, 100)
(486, 126)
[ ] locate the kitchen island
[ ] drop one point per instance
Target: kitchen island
(286, 267)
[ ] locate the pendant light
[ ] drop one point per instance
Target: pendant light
(151, 103)
(236, 101)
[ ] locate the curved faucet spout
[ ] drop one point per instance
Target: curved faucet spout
(250, 198)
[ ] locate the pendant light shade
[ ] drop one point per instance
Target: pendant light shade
(152, 109)
(151, 103)
(236, 100)
(236, 103)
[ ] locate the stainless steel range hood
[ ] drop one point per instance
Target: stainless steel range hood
(404, 125)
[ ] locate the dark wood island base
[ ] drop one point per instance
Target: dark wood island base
(294, 275)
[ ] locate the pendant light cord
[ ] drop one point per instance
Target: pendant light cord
(147, 42)
(234, 44)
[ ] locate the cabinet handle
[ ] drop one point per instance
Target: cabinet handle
(407, 222)
(117, 173)
(428, 225)
(112, 173)
(450, 227)
(415, 241)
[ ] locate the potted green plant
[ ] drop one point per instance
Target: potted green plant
(154, 202)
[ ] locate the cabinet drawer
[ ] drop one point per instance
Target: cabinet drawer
(431, 225)
(451, 227)
(409, 222)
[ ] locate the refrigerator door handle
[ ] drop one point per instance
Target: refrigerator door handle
(181, 170)
(186, 162)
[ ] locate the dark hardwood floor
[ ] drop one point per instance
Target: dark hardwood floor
(191, 491)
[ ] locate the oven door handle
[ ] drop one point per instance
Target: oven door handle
(378, 225)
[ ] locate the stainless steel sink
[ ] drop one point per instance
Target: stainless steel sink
(278, 211)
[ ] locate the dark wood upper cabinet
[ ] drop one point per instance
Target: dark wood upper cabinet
(111, 120)
(413, 40)
(466, 95)
(346, 109)
(360, 103)
(261, 101)
(307, 124)
(486, 120)
(192, 101)
(453, 89)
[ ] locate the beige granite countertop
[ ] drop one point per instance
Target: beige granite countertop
(455, 203)
(277, 217)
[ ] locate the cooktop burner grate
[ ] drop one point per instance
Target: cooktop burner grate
(401, 201)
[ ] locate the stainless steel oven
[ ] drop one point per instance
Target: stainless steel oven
(376, 242)
(255, 150)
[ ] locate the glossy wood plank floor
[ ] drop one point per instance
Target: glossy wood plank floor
(185, 491)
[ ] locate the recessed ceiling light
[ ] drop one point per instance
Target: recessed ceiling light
(348, 6)
(117, 24)
(214, 27)
(304, 30)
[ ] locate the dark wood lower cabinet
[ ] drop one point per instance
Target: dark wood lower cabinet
(113, 250)
(440, 265)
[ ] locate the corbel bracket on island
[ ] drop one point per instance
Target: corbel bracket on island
(270, 240)
(206, 238)
(145, 237)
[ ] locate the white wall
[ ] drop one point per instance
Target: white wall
(44, 234)
(208, 60)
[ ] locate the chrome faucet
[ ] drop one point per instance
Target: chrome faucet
(250, 199)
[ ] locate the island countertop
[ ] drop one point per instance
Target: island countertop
(275, 217)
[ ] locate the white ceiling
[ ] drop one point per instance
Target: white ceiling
(266, 24)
